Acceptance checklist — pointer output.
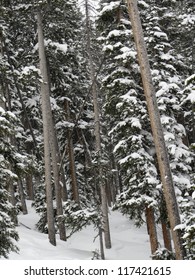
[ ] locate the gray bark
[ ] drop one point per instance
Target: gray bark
(162, 155)
(166, 236)
(22, 197)
(73, 175)
(106, 228)
(49, 133)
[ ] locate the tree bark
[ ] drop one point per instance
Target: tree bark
(49, 131)
(166, 236)
(73, 175)
(29, 186)
(162, 155)
(150, 220)
(106, 227)
(22, 196)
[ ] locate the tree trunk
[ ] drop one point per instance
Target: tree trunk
(48, 185)
(166, 236)
(49, 131)
(150, 220)
(106, 227)
(71, 158)
(162, 155)
(29, 186)
(22, 197)
(101, 244)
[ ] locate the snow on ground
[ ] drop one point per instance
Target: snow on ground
(128, 242)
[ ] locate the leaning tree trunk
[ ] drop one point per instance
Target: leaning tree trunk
(162, 155)
(50, 130)
(106, 228)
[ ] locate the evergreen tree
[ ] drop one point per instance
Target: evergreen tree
(167, 77)
(71, 108)
(20, 81)
(125, 106)
(9, 160)
(14, 160)
(188, 203)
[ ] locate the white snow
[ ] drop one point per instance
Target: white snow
(128, 242)
(191, 97)
(189, 79)
(187, 19)
(109, 7)
(135, 122)
(61, 47)
(160, 34)
(27, 70)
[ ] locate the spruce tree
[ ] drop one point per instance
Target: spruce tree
(126, 108)
(168, 69)
(9, 159)
(71, 108)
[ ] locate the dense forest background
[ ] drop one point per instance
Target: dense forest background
(75, 133)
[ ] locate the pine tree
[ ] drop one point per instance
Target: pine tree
(71, 108)
(168, 70)
(125, 107)
(14, 160)
(20, 87)
(188, 209)
(8, 212)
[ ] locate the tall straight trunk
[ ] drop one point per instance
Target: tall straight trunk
(50, 130)
(22, 196)
(48, 184)
(162, 155)
(151, 225)
(104, 204)
(166, 236)
(29, 176)
(73, 175)
(60, 174)
(60, 179)
(29, 186)
(114, 184)
(64, 192)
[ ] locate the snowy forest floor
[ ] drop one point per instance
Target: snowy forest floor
(128, 242)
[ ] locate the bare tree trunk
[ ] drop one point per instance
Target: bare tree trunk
(150, 220)
(101, 244)
(72, 159)
(48, 185)
(114, 184)
(162, 155)
(106, 227)
(49, 131)
(64, 192)
(29, 186)
(166, 236)
(22, 197)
